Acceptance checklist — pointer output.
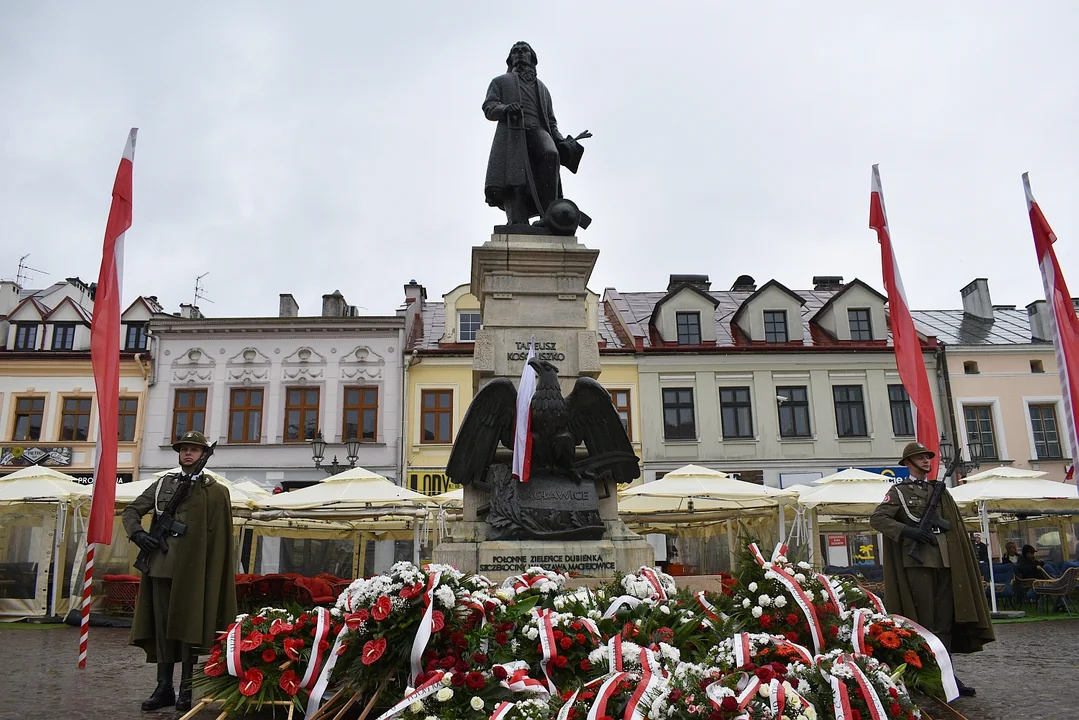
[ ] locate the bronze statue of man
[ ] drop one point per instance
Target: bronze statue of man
(522, 172)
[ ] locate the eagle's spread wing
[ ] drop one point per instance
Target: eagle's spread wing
(489, 419)
(595, 422)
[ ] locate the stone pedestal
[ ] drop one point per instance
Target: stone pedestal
(537, 286)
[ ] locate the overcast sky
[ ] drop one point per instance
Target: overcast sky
(302, 149)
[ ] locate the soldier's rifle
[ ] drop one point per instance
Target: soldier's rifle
(931, 518)
(166, 523)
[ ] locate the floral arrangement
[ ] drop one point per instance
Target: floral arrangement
(430, 642)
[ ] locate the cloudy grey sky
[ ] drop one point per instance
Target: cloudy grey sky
(289, 148)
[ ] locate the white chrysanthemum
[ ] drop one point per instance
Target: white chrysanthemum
(476, 703)
(800, 578)
(781, 559)
(746, 603)
(803, 686)
(757, 612)
(444, 694)
(780, 601)
(416, 707)
(598, 655)
(752, 587)
(764, 601)
(770, 575)
(505, 593)
(804, 565)
(767, 566)
(445, 597)
(559, 602)
(670, 653)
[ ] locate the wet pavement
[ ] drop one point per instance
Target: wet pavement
(1030, 673)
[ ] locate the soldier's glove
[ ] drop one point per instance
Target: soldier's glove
(146, 541)
(918, 535)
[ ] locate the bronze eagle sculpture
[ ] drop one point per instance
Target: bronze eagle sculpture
(559, 424)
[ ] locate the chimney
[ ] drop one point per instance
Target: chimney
(1038, 316)
(744, 283)
(976, 300)
(289, 307)
(190, 312)
(334, 305)
(827, 282)
(700, 282)
(414, 291)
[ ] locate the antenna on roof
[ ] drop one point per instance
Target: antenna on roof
(25, 270)
(200, 290)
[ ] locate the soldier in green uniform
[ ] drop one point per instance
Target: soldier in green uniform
(189, 592)
(942, 590)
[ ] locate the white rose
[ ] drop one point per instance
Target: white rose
(781, 558)
(416, 707)
(767, 566)
(780, 601)
(476, 703)
(752, 587)
(800, 578)
(757, 612)
(765, 690)
(447, 679)
(764, 601)
(664, 609)
(430, 717)
(444, 694)
(810, 712)
(746, 603)
(804, 565)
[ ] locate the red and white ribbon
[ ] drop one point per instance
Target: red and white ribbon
(743, 653)
(743, 698)
(519, 681)
(232, 651)
(547, 644)
(433, 685)
(327, 670)
(832, 595)
(322, 631)
(878, 604)
(777, 697)
(614, 654)
(592, 628)
(651, 678)
(712, 692)
(781, 550)
(604, 694)
(563, 712)
(756, 553)
(423, 632)
(709, 609)
(857, 635)
(650, 575)
(869, 693)
(523, 582)
(840, 698)
(805, 605)
(940, 654)
(618, 602)
(502, 711)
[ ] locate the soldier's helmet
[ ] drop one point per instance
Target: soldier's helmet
(191, 437)
(915, 448)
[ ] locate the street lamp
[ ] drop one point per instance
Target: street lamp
(948, 455)
(318, 452)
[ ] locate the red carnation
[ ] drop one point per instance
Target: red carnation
(323, 645)
(894, 693)
(833, 631)
(500, 637)
(289, 682)
(766, 621)
(792, 636)
(438, 620)
(475, 680)
(580, 638)
(576, 625)
(765, 674)
(894, 709)
(269, 656)
(566, 642)
(560, 661)
(728, 704)
(381, 608)
(292, 647)
(792, 619)
(250, 682)
(500, 672)
(558, 634)
(586, 665)
(257, 620)
(372, 650)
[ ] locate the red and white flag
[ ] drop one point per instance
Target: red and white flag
(908, 347)
(105, 348)
(522, 428)
(1062, 319)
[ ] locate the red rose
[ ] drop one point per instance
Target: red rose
(500, 637)
(586, 666)
(372, 650)
(475, 680)
(779, 669)
(252, 641)
(289, 682)
(457, 679)
(560, 661)
(381, 608)
(269, 656)
(250, 682)
(765, 674)
(292, 648)
(715, 715)
(303, 618)
(257, 620)
(447, 662)
(895, 709)
(676, 695)
(728, 704)
(792, 619)
(566, 642)
(461, 666)
(214, 668)
(500, 672)
(438, 620)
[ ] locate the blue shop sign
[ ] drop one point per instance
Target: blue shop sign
(896, 473)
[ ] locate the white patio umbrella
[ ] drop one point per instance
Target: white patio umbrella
(39, 483)
(127, 492)
(1010, 490)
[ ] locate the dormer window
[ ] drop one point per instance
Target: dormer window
(689, 328)
(26, 336)
(136, 337)
(775, 326)
(467, 325)
(63, 336)
(861, 327)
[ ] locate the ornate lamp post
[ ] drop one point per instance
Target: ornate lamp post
(318, 452)
(963, 467)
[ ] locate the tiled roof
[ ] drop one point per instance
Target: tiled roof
(955, 327)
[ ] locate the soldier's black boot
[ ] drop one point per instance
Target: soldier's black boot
(183, 698)
(163, 695)
(964, 690)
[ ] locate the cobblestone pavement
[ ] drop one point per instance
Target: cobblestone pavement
(1029, 673)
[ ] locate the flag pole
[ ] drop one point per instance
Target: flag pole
(105, 358)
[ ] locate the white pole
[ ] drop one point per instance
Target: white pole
(984, 512)
(415, 542)
(812, 539)
(56, 570)
(730, 546)
(782, 524)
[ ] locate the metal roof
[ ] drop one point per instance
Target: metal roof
(955, 327)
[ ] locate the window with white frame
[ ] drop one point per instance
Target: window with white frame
(1043, 423)
(468, 322)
